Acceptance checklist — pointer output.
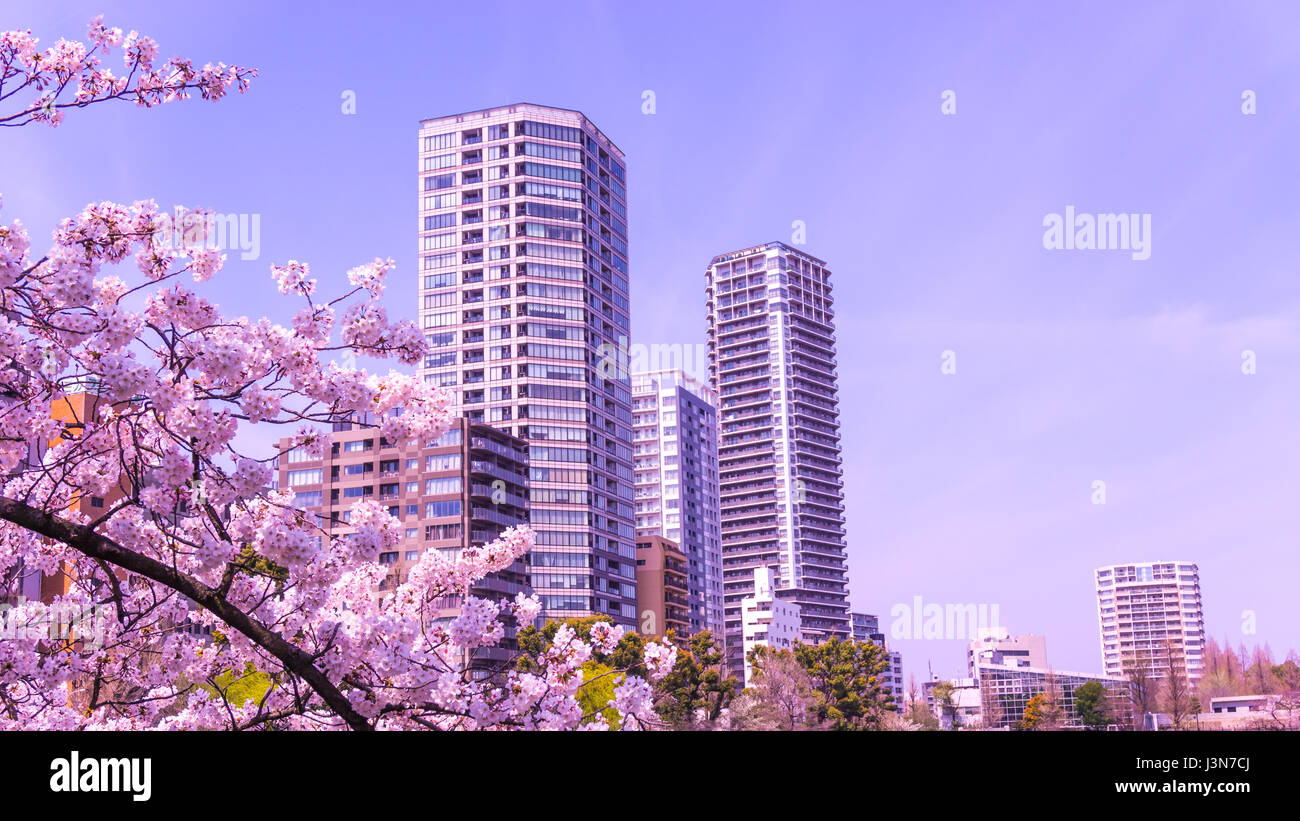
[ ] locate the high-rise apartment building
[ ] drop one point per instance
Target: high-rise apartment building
(464, 488)
(1149, 612)
(771, 344)
(523, 289)
(675, 447)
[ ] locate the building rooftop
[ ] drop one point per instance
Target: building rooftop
(517, 108)
(764, 247)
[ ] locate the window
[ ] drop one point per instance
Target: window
(437, 201)
(450, 437)
(448, 507)
(541, 169)
(300, 454)
(449, 484)
(555, 192)
(568, 332)
(439, 261)
(548, 211)
(440, 181)
(548, 152)
(305, 499)
(566, 602)
(439, 141)
(553, 312)
(547, 131)
(310, 476)
(439, 161)
(442, 320)
(545, 231)
(561, 581)
(553, 351)
(437, 241)
(549, 371)
(560, 559)
(445, 461)
(442, 300)
(438, 532)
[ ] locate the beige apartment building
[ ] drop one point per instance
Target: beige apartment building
(1150, 614)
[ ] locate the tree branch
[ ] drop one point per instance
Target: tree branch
(96, 546)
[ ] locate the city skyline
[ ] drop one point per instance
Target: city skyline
(988, 470)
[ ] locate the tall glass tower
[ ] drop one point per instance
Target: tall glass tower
(523, 289)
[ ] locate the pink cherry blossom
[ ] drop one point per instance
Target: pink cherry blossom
(659, 659)
(192, 567)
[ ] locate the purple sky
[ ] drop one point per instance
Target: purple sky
(1072, 366)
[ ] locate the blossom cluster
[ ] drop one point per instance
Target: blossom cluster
(69, 64)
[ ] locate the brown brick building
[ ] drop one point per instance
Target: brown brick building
(463, 489)
(661, 587)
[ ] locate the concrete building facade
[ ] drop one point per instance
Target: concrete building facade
(769, 621)
(771, 341)
(994, 645)
(675, 447)
(1149, 613)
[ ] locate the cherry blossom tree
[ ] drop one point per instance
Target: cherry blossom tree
(195, 571)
